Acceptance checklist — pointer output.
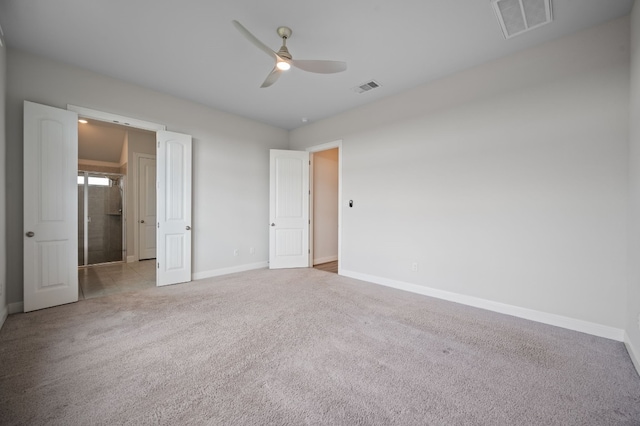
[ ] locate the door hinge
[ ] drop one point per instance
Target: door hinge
(158, 265)
(158, 144)
(309, 221)
(158, 225)
(309, 251)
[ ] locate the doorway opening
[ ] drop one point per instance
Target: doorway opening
(51, 203)
(108, 206)
(325, 211)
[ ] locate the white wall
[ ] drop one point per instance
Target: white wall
(3, 239)
(325, 206)
(230, 159)
(633, 307)
(505, 183)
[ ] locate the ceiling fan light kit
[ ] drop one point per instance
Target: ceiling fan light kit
(283, 65)
(284, 60)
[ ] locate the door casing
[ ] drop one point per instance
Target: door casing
(145, 125)
(316, 148)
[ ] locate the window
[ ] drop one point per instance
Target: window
(96, 181)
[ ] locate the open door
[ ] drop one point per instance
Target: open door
(50, 206)
(289, 209)
(147, 227)
(173, 208)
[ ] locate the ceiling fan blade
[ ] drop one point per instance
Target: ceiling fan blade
(321, 67)
(260, 45)
(271, 78)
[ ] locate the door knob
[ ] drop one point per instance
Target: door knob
(30, 234)
(142, 221)
(273, 224)
(188, 228)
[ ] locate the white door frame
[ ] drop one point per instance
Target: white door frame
(117, 119)
(130, 122)
(319, 148)
(136, 202)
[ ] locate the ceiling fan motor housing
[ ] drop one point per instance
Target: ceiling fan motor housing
(284, 53)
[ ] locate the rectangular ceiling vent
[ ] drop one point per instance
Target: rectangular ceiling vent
(366, 86)
(519, 16)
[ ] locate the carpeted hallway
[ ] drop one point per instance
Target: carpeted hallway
(303, 346)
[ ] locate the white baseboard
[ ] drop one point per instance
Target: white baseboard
(516, 311)
(231, 270)
(325, 259)
(4, 313)
(634, 353)
(16, 308)
(131, 259)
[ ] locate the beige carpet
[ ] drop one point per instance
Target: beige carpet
(298, 347)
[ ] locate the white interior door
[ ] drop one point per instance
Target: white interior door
(146, 208)
(174, 208)
(289, 209)
(50, 206)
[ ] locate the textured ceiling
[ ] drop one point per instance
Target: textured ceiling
(191, 50)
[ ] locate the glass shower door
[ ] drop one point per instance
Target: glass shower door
(102, 224)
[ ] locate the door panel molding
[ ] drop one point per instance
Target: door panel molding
(174, 163)
(288, 209)
(145, 204)
(50, 206)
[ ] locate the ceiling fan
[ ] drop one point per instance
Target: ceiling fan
(284, 60)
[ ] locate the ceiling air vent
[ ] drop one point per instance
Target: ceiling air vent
(366, 86)
(519, 16)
